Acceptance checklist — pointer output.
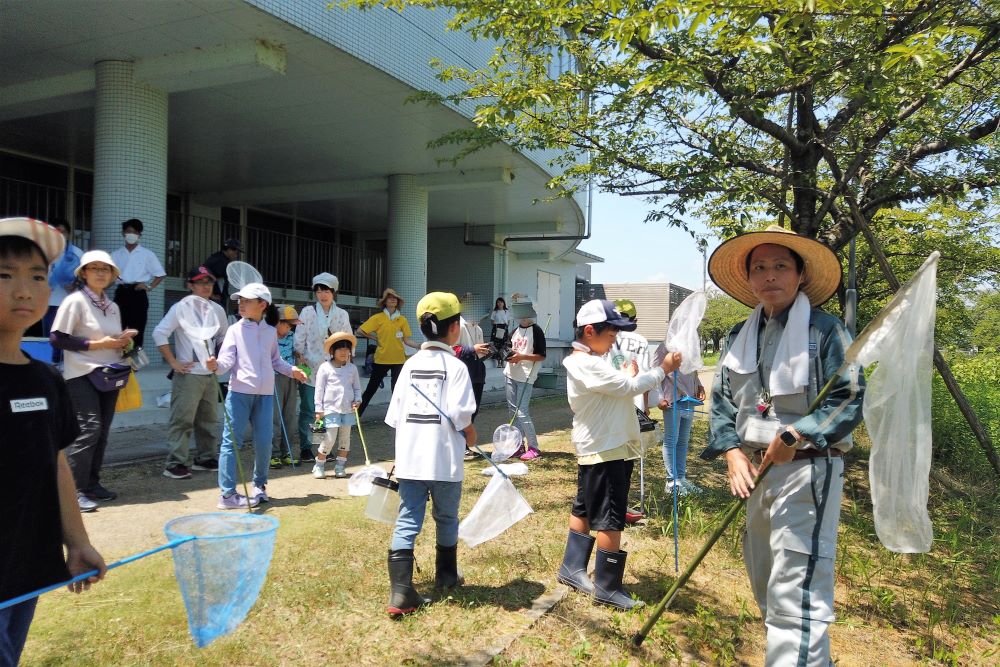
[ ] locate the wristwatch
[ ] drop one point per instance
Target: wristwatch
(788, 438)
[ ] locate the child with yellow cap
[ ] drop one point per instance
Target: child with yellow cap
(286, 390)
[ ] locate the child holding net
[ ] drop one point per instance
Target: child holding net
(338, 395)
(250, 350)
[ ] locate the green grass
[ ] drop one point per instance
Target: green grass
(325, 596)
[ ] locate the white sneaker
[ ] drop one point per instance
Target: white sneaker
(690, 487)
(85, 503)
(319, 470)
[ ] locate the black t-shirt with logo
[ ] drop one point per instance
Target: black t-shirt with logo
(36, 422)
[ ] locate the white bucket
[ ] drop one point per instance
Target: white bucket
(383, 502)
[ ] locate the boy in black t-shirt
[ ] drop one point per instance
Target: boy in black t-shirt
(40, 514)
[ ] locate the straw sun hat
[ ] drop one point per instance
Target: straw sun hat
(336, 338)
(820, 276)
(386, 294)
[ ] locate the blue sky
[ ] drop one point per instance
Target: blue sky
(638, 252)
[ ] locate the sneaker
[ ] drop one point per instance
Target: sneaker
(306, 455)
(275, 462)
(690, 487)
(669, 488)
(339, 471)
(259, 493)
(319, 470)
(206, 465)
(469, 455)
(633, 517)
(237, 501)
(179, 471)
(287, 460)
(86, 504)
(98, 492)
(530, 455)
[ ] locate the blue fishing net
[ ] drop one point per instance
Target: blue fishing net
(220, 572)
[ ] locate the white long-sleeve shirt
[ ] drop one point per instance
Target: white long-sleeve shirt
(313, 331)
(336, 388)
(183, 344)
(601, 399)
(250, 349)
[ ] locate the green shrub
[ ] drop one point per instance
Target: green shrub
(955, 444)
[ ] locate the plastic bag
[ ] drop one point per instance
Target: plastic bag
(499, 508)
(129, 397)
(897, 410)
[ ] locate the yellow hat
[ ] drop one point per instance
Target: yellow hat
(48, 239)
(288, 314)
(339, 336)
(626, 308)
(728, 267)
(440, 304)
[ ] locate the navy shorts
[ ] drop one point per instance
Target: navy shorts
(602, 494)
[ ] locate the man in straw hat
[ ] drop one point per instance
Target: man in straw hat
(390, 329)
(773, 365)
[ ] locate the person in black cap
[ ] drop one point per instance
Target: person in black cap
(217, 263)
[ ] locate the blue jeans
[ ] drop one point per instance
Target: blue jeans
(14, 624)
(413, 504)
(307, 415)
(521, 391)
(243, 409)
(683, 438)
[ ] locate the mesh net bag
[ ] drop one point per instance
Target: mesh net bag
(221, 572)
(506, 440)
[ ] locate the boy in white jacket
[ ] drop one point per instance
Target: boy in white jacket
(606, 436)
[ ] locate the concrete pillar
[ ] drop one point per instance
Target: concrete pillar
(130, 167)
(408, 244)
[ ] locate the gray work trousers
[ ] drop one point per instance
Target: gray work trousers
(286, 404)
(789, 549)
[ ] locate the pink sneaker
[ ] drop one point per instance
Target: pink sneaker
(531, 454)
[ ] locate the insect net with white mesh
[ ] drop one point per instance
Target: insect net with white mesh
(506, 440)
(240, 273)
(221, 571)
(200, 319)
(360, 483)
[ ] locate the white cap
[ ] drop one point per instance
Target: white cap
(327, 279)
(253, 291)
(602, 310)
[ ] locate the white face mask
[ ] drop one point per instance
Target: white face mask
(131, 239)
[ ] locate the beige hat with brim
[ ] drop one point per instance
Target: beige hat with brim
(820, 276)
(339, 336)
(387, 293)
(48, 239)
(92, 256)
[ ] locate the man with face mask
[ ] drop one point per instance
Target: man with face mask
(141, 272)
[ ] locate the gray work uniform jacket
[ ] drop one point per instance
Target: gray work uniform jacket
(735, 395)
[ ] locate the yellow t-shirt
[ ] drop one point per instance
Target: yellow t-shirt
(390, 334)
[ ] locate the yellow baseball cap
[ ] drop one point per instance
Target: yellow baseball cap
(288, 314)
(440, 304)
(626, 308)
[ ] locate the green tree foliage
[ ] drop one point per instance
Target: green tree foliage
(986, 321)
(721, 315)
(742, 111)
(966, 237)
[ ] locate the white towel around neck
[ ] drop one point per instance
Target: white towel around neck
(790, 370)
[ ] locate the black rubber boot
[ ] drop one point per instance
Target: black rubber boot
(446, 572)
(573, 571)
(403, 597)
(608, 572)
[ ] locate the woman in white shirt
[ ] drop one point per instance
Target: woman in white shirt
(500, 317)
(88, 329)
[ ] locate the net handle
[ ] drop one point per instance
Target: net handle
(361, 434)
(87, 575)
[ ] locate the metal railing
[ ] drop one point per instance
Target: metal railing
(285, 260)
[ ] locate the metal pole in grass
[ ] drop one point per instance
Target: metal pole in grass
(731, 512)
